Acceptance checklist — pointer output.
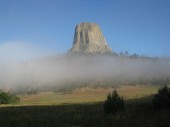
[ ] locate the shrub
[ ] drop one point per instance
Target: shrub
(114, 103)
(162, 98)
(7, 98)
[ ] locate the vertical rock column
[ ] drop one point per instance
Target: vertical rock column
(88, 38)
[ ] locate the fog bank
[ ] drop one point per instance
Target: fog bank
(62, 68)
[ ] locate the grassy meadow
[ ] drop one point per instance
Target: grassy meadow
(84, 108)
(85, 95)
(139, 113)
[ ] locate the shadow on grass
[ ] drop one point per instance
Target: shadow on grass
(139, 113)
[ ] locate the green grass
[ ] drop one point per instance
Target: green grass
(139, 113)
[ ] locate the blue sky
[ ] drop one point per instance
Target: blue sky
(137, 26)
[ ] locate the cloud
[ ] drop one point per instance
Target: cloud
(14, 51)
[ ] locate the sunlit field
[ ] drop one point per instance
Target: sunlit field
(84, 95)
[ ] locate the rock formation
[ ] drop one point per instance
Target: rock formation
(88, 38)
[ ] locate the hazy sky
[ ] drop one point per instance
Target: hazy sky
(138, 26)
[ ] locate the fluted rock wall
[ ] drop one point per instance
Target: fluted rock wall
(88, 38)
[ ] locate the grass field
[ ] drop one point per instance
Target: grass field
(139, 113)
(84, 108)
(85, 95)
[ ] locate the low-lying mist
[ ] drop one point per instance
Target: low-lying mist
(54, 70)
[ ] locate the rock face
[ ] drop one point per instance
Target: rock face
(88, 38)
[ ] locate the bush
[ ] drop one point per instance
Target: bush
(162, 98)
(114, 103)
(7, 98)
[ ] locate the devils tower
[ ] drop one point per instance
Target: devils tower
(88, 38)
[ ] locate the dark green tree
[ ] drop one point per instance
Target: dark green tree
(114, 103)
(7, 98)
(162, 98)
